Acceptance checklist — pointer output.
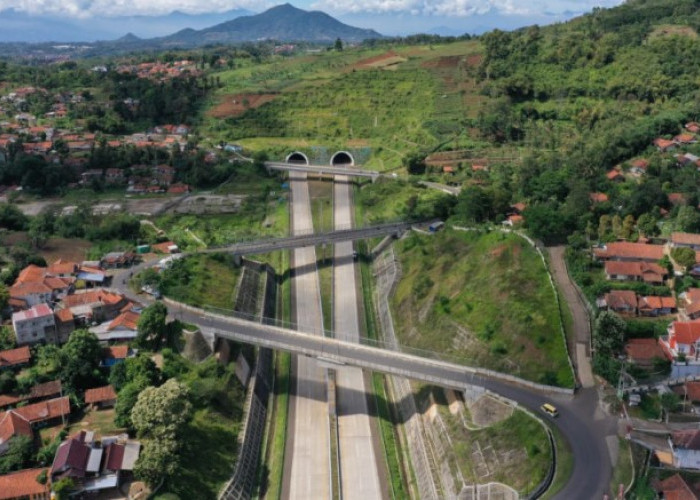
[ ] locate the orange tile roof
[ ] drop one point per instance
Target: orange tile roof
(100, 394)
(13, 424)
(656, 302)
(28, 288)
(7, 400)
(685, 138)
(685, 238)
(116, 351)
(639, 269)
(643, 349)
(598, 197)
(58, 283)
(17, 356)
(45, 410)
(31, 273)
(627, 250)
(692, 295)
(162, 247)
(128, 320)
(22, 484)
(692, 308)
(92, 297)
(613, 174)
(46, 389)
(640, 163)
(663, 143)
(64, 315)
(520, 206)
(620, 299)
(676, 488)
(686, 332)
(676, 198)
(693, 390)
(62, 267)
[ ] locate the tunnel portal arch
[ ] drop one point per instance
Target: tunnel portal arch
(342, 158)
(297, 157)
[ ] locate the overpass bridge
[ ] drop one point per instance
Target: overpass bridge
(340, 353)
(322, 169)
(311, 239)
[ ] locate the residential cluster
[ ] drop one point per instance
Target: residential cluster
(158, 71)
(49, 303)
(642, 262)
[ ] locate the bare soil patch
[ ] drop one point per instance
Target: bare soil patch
(73, 250)
(386, 61)
(232, 105)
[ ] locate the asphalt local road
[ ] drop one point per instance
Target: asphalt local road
(580, 421)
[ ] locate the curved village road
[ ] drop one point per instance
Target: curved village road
(581, 422)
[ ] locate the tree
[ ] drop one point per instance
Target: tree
(162, 412)
(7, 336)
(604, 227)
(684, 257)
(17, 455)
(159, 459)
(152, 326)
(647, 225)
(415, 163)
(126, 399)
(609, 333)
(627, 227)
(338, 45)
(80, 361)
(62, 488)
(142, 371)
(474, 204)
(688, 219)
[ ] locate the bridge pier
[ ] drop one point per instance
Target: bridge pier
(237, 260)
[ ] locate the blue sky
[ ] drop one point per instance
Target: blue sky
(386, 16)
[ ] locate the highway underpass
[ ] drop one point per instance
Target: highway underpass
(580, 420)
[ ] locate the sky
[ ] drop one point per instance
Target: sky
(390, 17)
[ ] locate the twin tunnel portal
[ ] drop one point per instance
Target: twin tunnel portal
(339, 159)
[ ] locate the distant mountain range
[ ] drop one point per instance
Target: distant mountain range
(283, 23)
(16, 26)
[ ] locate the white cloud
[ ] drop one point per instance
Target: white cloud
(110, 8)
(461, 8)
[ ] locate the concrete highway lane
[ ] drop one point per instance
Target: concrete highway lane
(309, 474)
(358, 464)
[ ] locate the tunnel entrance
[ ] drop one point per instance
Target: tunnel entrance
(298, 158)
(342, 158)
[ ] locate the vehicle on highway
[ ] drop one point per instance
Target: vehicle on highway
(550, 410)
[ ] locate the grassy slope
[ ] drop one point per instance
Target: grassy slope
(213, 283)
(208, 457)
(518, 434)
(326, 100)
(483, 298)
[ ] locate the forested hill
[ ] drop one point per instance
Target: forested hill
(592, 94)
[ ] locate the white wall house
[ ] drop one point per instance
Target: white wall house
(34, 325)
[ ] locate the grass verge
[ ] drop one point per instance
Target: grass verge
(565, 465)
(623, 472)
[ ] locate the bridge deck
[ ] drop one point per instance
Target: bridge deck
(322, 169)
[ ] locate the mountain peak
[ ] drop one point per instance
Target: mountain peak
(284, 23)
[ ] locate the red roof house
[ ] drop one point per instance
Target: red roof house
(24, 485)
(642, 352)
(15, 357)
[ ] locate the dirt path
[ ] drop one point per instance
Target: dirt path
(579, 312)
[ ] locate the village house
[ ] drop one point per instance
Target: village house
(598, 197)
(92, 305)
(116, 260)
(685, 139)
(12, 424)
(664, 145)
(615, 175)
(122, 328)
(39, 392)
(34, 325)
(65, 324)
(95, 464)
(620, 301)
(686, 449)
(44, 413)
(643, 352)
(652, 274)
(114, 354)
(101, 397)
(639, 166)
(676, 488)
(683, 340)
(689, 240)
(629, 252)
(653, 305)
(15, 358)
(23, 485)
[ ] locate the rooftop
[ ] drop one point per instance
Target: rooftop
(13, 357)
(22, 484)
(100, 394)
